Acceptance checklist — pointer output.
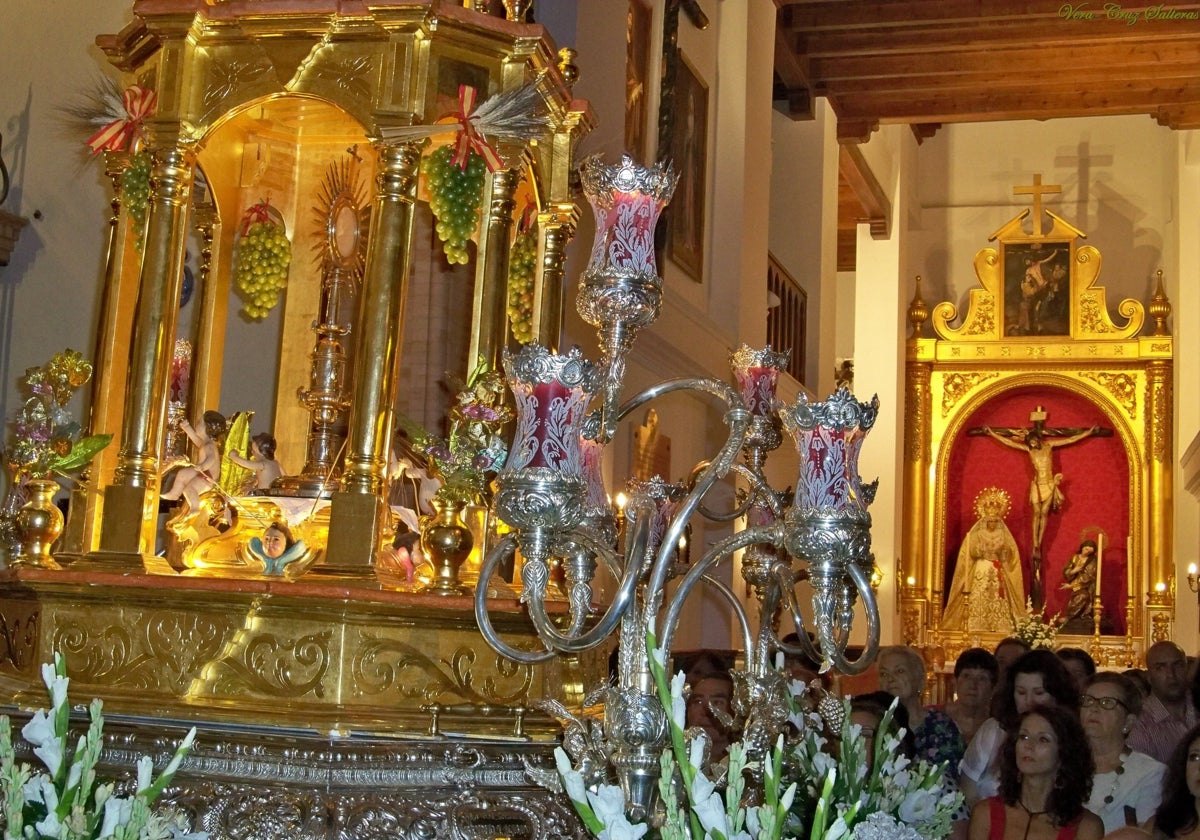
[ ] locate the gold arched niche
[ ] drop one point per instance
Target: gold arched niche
(1123, 374)
(277, 148)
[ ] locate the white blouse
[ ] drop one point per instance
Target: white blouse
(1140, 787)
(981, 761)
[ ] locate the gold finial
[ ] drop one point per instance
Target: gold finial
(1036, 189)
(567, 66)
(992, 501)
(516, 9)
(918, 312)
(1160, 307)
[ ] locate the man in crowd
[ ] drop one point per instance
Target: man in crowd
(1167, 714)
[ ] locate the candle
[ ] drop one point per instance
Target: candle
(912, 581)
(1129, 564)
(1099, 555)
(1160, 587)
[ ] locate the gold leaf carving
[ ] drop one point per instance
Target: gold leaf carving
(349, 75)
(983, 317)
(224, 78)
(277, 667)
(18, 635)
(166, 656)
(1122, 386)
(1160, 416)
(383, 665)
(957, 385)
(1092, 317)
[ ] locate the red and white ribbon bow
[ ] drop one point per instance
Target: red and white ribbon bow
(468, 135)
(260, 212)
(139, 103)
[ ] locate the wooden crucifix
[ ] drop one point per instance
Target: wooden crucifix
(1045, 495)
(1036, 189)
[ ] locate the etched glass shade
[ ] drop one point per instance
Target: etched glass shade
(829, 436)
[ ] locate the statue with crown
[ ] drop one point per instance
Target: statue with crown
(988, 589)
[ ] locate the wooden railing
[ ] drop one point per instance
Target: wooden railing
(786, 320)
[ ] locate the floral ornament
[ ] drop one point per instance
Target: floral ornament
(1034, 629)
(64, 801)
(849, 796)
(473, 448)
(45, 436)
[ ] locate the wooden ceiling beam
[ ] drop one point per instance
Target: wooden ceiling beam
(824, 15)
(1093, 60)
(1173, 80)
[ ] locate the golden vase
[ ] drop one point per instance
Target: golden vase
(39, 523)
(447, 543)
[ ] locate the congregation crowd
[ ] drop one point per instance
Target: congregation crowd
(1041, 744)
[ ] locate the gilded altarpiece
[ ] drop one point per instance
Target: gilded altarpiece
(1038, 411)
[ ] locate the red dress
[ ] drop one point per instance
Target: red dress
(1067, 832)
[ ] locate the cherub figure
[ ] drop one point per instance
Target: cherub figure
(261, 461)
(202, 475)
(276, 548)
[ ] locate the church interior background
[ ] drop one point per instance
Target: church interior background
(1104, 207)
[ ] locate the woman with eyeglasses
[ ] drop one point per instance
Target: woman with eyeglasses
(1046, 773)
(1127, 786)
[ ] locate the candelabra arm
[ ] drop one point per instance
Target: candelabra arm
(738, 420)
(622, 601)
(738, 612)
(715, 387)
(772, 534)
(759, 490)
(503, 549)
(837, 650)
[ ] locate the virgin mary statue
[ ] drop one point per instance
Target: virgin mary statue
(987, 591)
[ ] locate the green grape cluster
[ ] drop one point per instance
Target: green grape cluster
(135, 193)
(454, 196)
(261, 270)
(522, 266)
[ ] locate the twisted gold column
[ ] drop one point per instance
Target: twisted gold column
(556, 227)
(489, 306)
(358, 512)
(131, 502)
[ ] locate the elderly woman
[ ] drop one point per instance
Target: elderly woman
(902, 673)
(1127, 786)
(1046, 775)
(1036, 679)
(975, 678)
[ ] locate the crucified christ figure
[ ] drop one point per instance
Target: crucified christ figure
(1045, 494)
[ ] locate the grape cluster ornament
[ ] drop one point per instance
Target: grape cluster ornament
(263, 257)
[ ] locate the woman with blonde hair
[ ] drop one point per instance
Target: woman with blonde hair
(902, 673)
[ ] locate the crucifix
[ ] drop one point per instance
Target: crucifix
(1036, 189)
(1039, 441)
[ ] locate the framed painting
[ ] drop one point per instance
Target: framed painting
(1037, 288)
(689, 156)
(637, 77)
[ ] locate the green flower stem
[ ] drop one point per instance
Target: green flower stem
(679, 747)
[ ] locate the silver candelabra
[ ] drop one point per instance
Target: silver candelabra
(551, 494)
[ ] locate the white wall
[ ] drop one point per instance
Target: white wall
(50, 289)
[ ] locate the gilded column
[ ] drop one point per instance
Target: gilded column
(556, 227)
(208, 351)
(1159, 497)
(131, 502)
(357, 515)
(489, 308)
(108, 381)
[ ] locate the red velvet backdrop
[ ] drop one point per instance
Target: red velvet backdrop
(1095, 482)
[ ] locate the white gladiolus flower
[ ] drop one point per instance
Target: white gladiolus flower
(919, 806)
(572, 778)
(116, 814)
(711, 813)
(623, 831)
(145, 771)
(660, 656)
(608, 803)
(678, 704)
(696, 750)
(56, 685)
(39, 789)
